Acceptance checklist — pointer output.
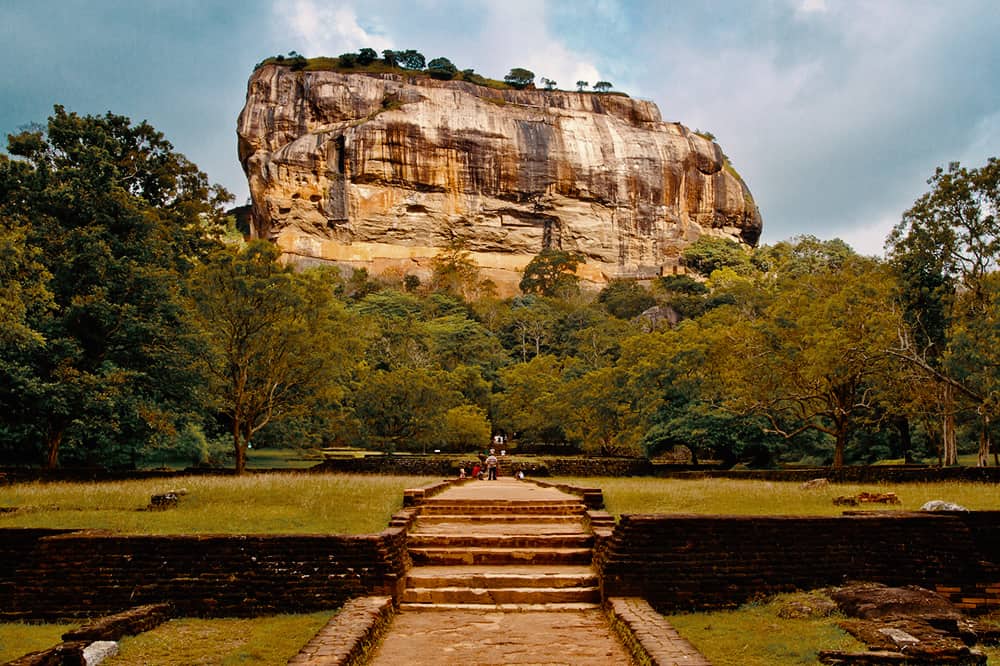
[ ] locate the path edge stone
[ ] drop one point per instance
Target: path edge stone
(648, 637)
(350, 637)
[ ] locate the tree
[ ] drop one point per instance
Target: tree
(519, 78)
(442, 69)
(552, 273)
(549, 84)
(455, 271)
(347, 59)
(580, 85)
(811, 361)
(625, 299)
(277, 342)
(404, 407)
(949, 242)
(366, 56)
(390, 58)
(106, 218)
(411, 59)
(603, 86)
(710, 253)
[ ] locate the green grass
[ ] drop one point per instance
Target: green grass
(19, 638)
(252, 504)
(754, 635)
(188, 641)
(739, 497)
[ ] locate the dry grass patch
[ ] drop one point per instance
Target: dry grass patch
(20, 638)
(188, 641)
(769, 498)
(253, 504)
(754, 635)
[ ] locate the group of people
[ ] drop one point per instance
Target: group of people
(487, 467)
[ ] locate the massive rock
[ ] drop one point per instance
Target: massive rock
(380, 171)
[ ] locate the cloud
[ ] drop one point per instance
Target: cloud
(322, 30)
(803, 7)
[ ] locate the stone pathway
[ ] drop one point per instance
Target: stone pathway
(502, 575)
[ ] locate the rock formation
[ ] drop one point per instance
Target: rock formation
(382, 170)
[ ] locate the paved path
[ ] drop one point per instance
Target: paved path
(440, 638)
(495, 559)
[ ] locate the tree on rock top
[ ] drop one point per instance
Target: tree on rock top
(519, 78)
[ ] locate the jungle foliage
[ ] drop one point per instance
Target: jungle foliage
(133, 324)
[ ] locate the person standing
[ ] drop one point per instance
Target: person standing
(491, 466)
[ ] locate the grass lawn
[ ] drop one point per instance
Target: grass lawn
(740, 497)
(18, 638)
(754, 635)
(253, 504)
(189, 641)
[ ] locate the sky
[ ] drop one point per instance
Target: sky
(835, 112)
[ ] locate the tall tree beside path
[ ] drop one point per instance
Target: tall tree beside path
(277, 342)
(946, 251)
(102, 219)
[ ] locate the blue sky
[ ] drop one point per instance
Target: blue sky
(835, 111)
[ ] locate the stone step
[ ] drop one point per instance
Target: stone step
(502, 510)
(432, 518)
(497, 577)
(482, 528)
(500, 555)
(505, 595)
(527, 541)
(505, 608)
(464, 506)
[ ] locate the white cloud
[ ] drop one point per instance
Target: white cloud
(321, 30)
(803, 7)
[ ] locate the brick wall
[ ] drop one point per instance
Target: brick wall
(687, 561)
(82, 573)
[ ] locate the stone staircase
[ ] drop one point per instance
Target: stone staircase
(503, 554)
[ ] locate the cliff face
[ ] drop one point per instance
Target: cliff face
(382, 170)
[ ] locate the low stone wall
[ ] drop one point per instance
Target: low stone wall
(350, 637)
(859, 474)
(74, 574)
(687, 561)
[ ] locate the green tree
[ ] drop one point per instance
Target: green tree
(454, 271)
(625, 299)
(106, 218)
(404, 407)
(519, 78)
(548, 84)
(603, 86)
(708, 254)
(410, 59)
(812, 359)
(442, 68)
(278, 343)
(390, 58)
(366, 56)
(944, 250)
(552, 273)
(580, 85)
(532, 403)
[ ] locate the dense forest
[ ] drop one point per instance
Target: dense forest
(135, 320)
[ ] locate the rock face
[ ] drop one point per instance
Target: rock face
(380, 171)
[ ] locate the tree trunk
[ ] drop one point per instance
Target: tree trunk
(238, 450)
(838, 449)
(905, 439)
(984, 442)
(52, 446)
(949, 440)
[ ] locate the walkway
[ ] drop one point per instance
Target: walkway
(502, 575)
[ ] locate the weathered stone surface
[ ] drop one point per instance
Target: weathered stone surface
(870, 601)
(382, 170)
